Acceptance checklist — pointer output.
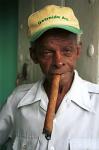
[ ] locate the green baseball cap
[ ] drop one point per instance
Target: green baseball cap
(52, 16)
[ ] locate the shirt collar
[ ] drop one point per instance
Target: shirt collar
(79, 94)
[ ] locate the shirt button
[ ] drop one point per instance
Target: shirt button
(52, 148)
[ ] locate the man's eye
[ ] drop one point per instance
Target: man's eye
(67, 52)
(47, 53)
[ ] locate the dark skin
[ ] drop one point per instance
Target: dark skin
(57, 51)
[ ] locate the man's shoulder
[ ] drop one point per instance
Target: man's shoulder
(92, 87)
(26, 87)
(20, 92)
(23, 88)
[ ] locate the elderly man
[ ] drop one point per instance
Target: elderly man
(54, 36)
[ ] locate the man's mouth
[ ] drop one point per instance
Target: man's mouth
(57, 73)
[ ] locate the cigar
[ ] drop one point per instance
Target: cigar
(50, 114)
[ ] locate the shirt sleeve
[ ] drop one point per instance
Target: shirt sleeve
(6, 121)
(8, 113)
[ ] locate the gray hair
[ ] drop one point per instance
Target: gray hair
(78, 38)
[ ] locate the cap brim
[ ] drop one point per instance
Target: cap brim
(68, 28)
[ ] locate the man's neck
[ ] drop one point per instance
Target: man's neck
(63, 89)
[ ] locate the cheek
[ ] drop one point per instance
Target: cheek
(45, 66)
(71, 62)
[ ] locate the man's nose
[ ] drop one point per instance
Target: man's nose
(58, 60)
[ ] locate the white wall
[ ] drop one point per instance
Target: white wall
(40, 3)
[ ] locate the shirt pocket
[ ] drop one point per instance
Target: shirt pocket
(24, 143)
(84, 144)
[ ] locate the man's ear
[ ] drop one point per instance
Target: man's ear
(33, 55)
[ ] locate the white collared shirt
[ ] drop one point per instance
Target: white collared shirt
(75, 126)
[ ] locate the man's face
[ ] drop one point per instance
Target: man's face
(57, 53)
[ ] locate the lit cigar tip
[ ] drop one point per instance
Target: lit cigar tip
(47, 134)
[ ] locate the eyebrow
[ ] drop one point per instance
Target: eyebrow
(44, 46)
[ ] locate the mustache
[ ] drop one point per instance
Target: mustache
(58, 72)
